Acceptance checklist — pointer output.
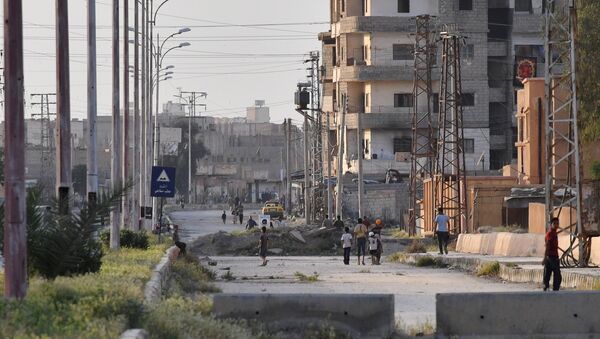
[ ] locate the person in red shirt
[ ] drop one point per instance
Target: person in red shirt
(551, 260)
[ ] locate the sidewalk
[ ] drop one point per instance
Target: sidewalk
(517, 269)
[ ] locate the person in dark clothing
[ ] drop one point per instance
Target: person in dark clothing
(251, 224)
(224, 217)
(241, 213)
(338, 223)
(551, 260)
(176, 240)
(263, 246)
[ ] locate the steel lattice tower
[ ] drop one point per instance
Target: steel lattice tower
(47, 159)
(563, 162)
(450, 176)
(318, 188)
(423, 150)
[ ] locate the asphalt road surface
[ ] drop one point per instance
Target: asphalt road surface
(414, 288)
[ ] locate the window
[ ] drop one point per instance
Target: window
(334, 56)
(367, 95)
(467, 99)
(403, 6)
(403, 100)
(468, 53)
(343, 5)
(402, 52)
(435, 105)
(523, 6)
(469, 146)
(402, 145)
(465, 5)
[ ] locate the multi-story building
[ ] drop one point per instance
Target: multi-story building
(368, 56)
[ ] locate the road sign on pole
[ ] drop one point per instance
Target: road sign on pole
(163, 182)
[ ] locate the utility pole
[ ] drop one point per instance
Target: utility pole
(15, 219)
(126, 215)
(422, 152)
(142, 155)
(451, 180)
(359, 152)
(340, 167)
(288, 166)
(63, 107)
(563, 155)
(115, 217)
(193, 96)
(155, 219)
(47, 159)
(307, 186)
(135, 209)
(328, 159)
(92, 158)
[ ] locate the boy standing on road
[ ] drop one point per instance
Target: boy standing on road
(551, 261)
(360, 235)
(224, 217)
(347, 245)
(263, 245)
(441, 223)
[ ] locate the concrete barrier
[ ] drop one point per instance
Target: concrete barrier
(361, 316)
(524, 314)
(160, 276)
(502, 244)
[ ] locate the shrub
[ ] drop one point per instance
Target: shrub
(396, 257)
(306, 278)
(427, 260)
(128, 239)
(490, 269)
(64, 244)
(416, 246)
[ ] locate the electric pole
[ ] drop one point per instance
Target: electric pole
(92, 159)
(142, 155)
(340, 167)
(126, 215)
(307, 186)
(359, 157)
(115, 217)
(63, 107)
(15, 219)
(288, 166)
(135, 209)
(328, 159)
(47, 159)
(191, 99)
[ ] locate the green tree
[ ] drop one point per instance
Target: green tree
(588, 69)
(180, 161)
(79, 177)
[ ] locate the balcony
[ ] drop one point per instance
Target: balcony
(358, 72)
(527, 23)
(380, 120)
(358, 24)
(373, 167)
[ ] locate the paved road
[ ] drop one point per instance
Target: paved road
(195, 224)
(414, 288)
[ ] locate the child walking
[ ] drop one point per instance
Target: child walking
(347, 245)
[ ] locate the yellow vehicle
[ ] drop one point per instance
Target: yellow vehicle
(273, 209)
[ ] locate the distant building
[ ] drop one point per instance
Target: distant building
(173, 108)
(259, 113)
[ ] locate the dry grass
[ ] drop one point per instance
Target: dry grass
(416, 246)
(489, 269)
(306, 278)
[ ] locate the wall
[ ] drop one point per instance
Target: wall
(382, 48)
(386, 201)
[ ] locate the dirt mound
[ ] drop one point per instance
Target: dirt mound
(299, 241)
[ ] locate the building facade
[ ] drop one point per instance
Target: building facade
(368, 56)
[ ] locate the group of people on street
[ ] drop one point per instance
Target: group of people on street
(363, 235)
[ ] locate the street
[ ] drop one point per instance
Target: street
(414, 288)
(194, 224)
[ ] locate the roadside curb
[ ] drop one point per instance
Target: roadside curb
(512, 274)
(160, 276)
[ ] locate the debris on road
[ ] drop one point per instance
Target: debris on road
(298, 236)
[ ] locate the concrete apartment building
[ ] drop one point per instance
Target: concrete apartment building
(368, 55)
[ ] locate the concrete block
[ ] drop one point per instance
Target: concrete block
(521, 315)
(361, 316)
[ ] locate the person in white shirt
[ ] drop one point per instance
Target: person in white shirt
(347, 245)
(441, 224)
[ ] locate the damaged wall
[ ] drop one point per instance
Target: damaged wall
(386, 201)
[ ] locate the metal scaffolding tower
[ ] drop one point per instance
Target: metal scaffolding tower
(47, 158)
(450, 176)
(318, 194)
(563, 161)
(423, 149)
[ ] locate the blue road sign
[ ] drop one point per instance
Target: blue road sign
(163, 182)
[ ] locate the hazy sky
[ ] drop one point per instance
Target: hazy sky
(234, 64)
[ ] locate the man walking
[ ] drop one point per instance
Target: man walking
(441, 224)
(360, 236)
(551, 261)
(263, 246)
